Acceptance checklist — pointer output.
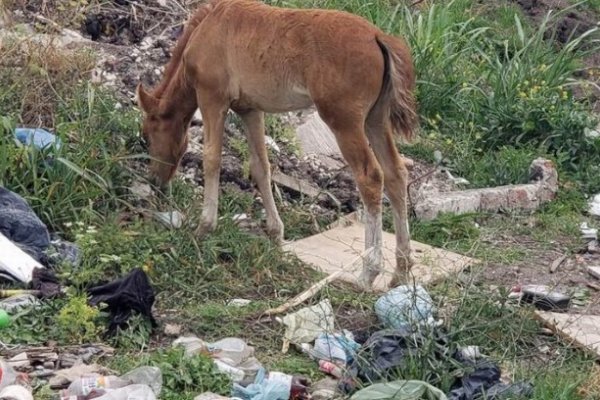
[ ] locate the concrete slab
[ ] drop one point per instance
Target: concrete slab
(542, 188)
(338, 247)
(582, 330)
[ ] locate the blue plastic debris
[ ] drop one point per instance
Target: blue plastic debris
(335, 347)
(38, 137)
(263, 388)
(405, 305)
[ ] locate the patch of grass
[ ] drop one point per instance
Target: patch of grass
(79, 320)
(282, 133)
(38, 77)
(88, 173)
(593, 5)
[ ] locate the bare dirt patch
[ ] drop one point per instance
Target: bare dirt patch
(571, 277)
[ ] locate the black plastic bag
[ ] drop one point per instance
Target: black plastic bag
(22, 226)
(485, 375)
(123, 296)
(483, 383)
(388, 350)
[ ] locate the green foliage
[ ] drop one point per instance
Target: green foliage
(282, 133)
(87, 174)
(446, 229)
(78, 320)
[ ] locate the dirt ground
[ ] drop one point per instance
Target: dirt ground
(571, 277)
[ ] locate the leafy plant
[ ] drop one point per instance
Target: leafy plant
(78, 320)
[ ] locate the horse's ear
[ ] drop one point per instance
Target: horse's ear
(147, 102)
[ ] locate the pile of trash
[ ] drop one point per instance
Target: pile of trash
(373, 369)
(29, 253)
(83, 382)
(362, 371)
(251, 380)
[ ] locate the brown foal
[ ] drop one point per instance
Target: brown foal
(252, 58)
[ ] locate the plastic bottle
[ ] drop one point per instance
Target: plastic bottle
(192, 345)
(131, 392)
(273, 385)
(299, 386)
(94, 383)
(151, 376)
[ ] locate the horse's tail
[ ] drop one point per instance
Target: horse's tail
(398, 86)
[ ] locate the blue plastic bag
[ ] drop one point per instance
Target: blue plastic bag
(263, 388)
(406, 305)
(335, 347)
(37, 137)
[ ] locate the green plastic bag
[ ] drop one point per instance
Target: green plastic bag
(400, 390)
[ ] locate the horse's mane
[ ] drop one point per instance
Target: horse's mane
(176, 56)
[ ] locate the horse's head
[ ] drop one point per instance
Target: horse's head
(165, 135)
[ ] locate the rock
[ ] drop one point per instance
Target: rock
(170, 219)
(594, 271)
(587, 232)
(172, 329)
(141, 190)
(238, 302)
(542, 188)
(21, 360)
(594, 206)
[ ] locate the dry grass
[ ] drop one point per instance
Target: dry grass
(40, 73)
(590, 389)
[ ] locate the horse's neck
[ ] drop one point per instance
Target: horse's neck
(178, 97)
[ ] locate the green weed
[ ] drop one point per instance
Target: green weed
(79, 320)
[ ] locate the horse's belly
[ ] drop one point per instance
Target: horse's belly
(274, 98)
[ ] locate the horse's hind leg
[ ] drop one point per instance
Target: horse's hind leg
(260, 170)
(395, 181)
(213, 115)
(350, 135)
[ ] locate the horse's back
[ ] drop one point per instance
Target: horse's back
(280, 59)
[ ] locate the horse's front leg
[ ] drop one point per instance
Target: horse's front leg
(213, 115)
(261, 172)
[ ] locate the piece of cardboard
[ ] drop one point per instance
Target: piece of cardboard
(339, 246)
(583, 330)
